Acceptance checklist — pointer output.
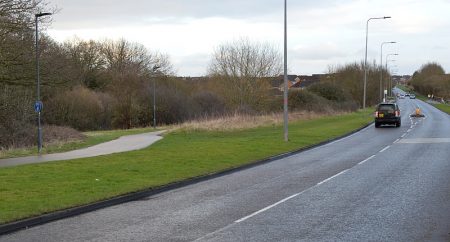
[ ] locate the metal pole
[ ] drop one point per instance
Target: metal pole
(39, 141)
(154, 103)
(152, 75)
(38, 81)
(365, 58)
(365, 64)
(285, 102)
(381, 65)
(387, 56)
(381, 72)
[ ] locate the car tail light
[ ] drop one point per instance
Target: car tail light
(397, 113)
(376, 114)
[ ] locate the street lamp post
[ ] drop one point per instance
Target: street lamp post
(393, 72)
(285, 98)
(387, 56)
(365, 57)
(154, 69)
(381, 69)
(38, 105)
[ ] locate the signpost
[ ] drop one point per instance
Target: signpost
(38, 106)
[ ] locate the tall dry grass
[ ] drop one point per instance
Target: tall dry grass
(244, 121)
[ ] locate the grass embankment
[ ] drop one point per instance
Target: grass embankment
(32, 190)
(92, 138)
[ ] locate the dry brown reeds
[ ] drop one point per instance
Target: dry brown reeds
(238, 121)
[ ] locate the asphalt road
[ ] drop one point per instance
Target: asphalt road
(122, 144)
(387, 184)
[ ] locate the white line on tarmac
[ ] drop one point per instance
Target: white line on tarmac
(396, 140)
(385, 148)
(286, 199)
(364, 161)
(403, 135)
(340, 173)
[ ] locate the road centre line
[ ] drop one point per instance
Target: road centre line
(396, 140)
(385, 148)
(286, 199)
(403, 135)
(340, 173)
(268, 207)
(364, 161)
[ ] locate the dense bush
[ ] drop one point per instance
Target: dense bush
(305, 100)
(431, 79)
(340, 99)
(80, 108)
(350, 77)
(329, 91)
(209, 104)
(17, 118)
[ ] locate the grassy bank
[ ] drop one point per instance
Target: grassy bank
(92, 138)
(31, 190)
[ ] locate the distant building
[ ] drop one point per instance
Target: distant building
(295, 81)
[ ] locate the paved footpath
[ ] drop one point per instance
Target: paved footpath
(122, 144)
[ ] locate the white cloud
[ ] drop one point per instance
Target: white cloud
(321, 33)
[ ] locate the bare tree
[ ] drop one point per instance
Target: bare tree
(240, 67)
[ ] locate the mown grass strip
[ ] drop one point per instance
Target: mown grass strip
(32, 190)
(442, 107)
(92, 138)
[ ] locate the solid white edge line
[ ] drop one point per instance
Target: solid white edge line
(385, 148)
(362, 162)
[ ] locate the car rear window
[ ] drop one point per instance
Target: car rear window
(386, 107)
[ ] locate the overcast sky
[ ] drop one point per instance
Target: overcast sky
(321, 33)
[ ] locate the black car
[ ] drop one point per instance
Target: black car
(387, 113)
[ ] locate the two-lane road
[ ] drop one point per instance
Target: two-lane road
(378, 184)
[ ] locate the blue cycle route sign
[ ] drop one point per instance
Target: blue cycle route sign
(38, 106)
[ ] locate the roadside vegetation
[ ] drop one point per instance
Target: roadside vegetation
(432, 85)
(188, 151)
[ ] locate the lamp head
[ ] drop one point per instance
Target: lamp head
(38, 15)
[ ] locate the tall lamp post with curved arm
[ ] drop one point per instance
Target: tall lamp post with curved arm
(154, 71)
(381, 65)
(38, 104)
(365, 58)
(387, 56)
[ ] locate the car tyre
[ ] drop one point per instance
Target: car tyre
(377, 125)
(398, 124)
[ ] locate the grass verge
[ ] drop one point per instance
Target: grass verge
(31, 190)
(92, 138)
(442, 107)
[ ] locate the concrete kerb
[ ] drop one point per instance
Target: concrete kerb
(70, 212)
